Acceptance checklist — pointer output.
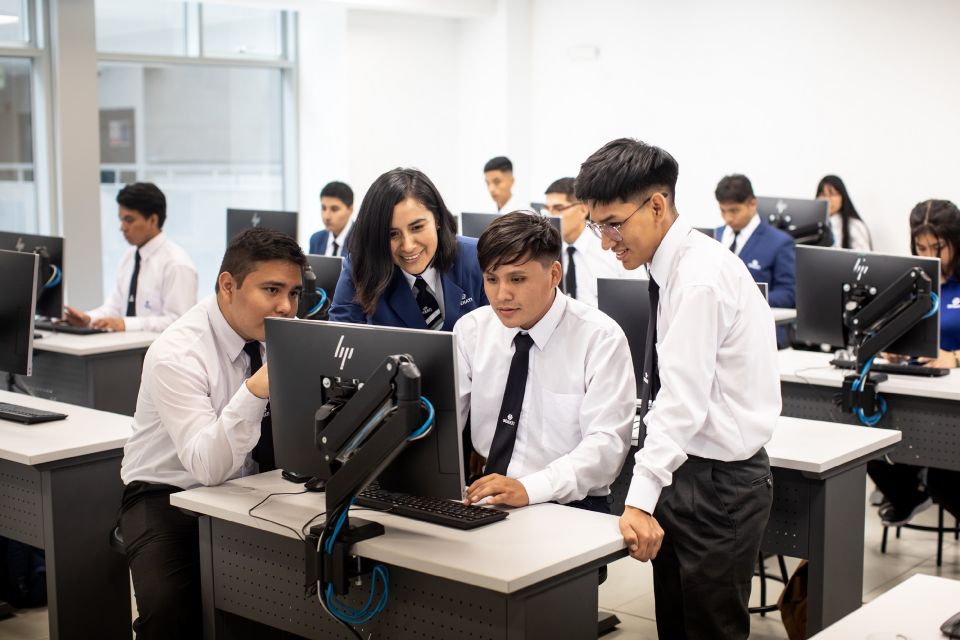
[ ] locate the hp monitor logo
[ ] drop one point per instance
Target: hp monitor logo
(255, 221)
(860, 268)
(342, 352)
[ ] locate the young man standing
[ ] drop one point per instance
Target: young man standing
(584, 259)
(156, 282)
(701, 491)
(202, 418)
(769, 253)
(559, 429)
(498, 174)
(336, 208)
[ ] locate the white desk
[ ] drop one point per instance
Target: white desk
(101, 371)
(60, 490)
(914, 609)
(783, 316)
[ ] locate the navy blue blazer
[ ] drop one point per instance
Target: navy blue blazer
(462, 293)
(770, 257)
(318, 242)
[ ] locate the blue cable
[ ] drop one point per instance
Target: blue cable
(353, 616)
(323, 300)
(936, 305)
(422, 430)
(869, 421)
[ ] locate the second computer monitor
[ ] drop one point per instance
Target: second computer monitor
(327, 269)
(806, 220)
(307, 358)
(17, 310)
(474, 224)
(242, 219)
(50, 281)
(822, 274)
(628, 303)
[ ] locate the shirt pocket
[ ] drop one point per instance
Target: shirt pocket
(151, 300)
(560, 432)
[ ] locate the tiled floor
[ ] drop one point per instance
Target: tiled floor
(628, 590)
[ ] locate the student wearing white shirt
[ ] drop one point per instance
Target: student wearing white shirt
(498, 174)
(849, 229)
(202, 418)
(583, 258)
(156, 281)
(336, 209)
(546, 379)
(701, 491)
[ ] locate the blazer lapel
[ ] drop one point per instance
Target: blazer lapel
(453, 296)
(400, 299)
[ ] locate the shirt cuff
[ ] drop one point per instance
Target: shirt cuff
(644, 493)
(247, 406)
(537, 486)
(132, 323)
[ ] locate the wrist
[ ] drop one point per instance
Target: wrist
(956, 359)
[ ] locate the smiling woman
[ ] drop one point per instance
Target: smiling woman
(407, 267)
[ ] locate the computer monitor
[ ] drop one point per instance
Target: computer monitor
(327, 269)
(242, 219)
(309, 359)
(765, 290)
(473, 224)
(822, 274)
(539, 207)
(50, 280)
(806, 220)
(17, 310)
(707, 231)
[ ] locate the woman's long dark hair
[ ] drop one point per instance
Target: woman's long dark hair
(940, 219)
(847, 210)
(370, 253)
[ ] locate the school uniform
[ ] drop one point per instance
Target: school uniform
(583, 262)
(859, 234)
(770, 256)
(458, 291)
(711, 366)
(324, 243)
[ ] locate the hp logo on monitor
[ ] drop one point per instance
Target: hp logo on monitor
(860, 268)
(20, 246)
(342, 352)
(255, 221)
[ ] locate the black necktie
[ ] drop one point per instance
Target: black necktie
(651, 372)
(336, 248)
(501, 449)
(428, 305)
(132, 298)
(570, 278)
(263, 452)
(733, 245)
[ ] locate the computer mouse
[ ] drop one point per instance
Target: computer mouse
(951, 628)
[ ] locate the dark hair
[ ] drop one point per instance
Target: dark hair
(500, 163)
(338, 190)
(624, 169)
(566, 186)
(847, 210)
(370, 252)
(517, 237)
(144, 198)
(734, 188)
(258, 244)
(941, 219)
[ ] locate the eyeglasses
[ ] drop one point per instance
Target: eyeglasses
(612, 231)
(559, 208)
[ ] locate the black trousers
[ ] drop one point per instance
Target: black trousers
(713, 516)
(163, 554)
(901, 485)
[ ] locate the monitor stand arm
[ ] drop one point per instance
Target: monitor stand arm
(874, 324)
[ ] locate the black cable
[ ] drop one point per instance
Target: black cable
(279, 524)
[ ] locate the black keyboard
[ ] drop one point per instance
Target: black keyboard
(449, 513)
(63, 327)
(900, 369)
(26, 415)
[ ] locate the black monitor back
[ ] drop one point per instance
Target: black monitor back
(707, 231)
(327, 269)
(301, 354)
(242, 219)
(806, 220)
(17, 310)
(765, 290)
(50, 283)
(473, 225)
(628, 303)
(821, 274)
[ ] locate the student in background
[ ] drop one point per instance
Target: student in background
(407, 267)
(584, 259)
(769, 253)
(156, 281)
(547, 380)
(849, 229)
(201, 420)
(336, 209)
(498, 174)
(908, 490)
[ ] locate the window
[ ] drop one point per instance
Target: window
(13, 22)
(142, 26)
(237, 31)
(18, 191)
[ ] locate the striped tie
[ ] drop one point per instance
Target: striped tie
(428, 305)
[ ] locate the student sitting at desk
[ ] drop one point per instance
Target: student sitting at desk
(156, 281)
(202, 418)
(849, 229)
(546, 379)
(934, 233)
(498, 174)
(407, 267)
(336, 208)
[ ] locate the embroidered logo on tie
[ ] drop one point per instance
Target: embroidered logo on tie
(509, 420)
(753, 264)
(646, 378)
(342, 352)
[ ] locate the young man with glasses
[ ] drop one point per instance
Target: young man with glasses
(701, 491)
(583, 258)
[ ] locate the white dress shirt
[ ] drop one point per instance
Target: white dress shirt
(578, 404)
(434, 284)
(166, 286)
(717, 351)
(593, 262)
(859, 235)
(196, 422)
(727, 238)
(339, 239)
(515, 203)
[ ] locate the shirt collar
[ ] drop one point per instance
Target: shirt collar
(543, 330)
(154, 245)
(228, 341)
(749, 228)
(582, 241)
(663, 258)
(430, 276)
(343, 233)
